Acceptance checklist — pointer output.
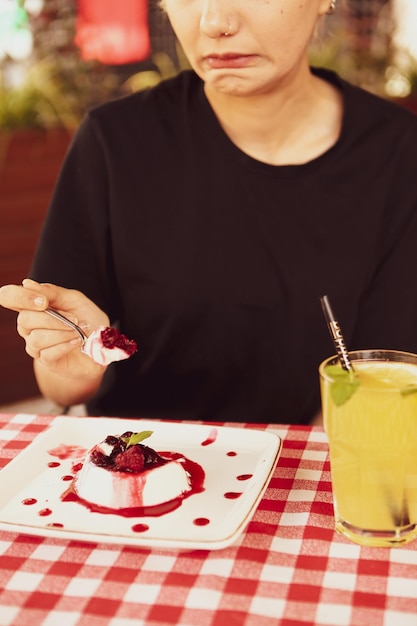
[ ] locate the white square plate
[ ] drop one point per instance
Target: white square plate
(227, 455)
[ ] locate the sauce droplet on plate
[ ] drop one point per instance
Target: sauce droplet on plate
(212, 436)
(140, 528)
(201, 521)
(45, 512)
(29, 501)
(244, 476)
(232, 495)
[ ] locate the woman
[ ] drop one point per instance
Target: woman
(207, 216)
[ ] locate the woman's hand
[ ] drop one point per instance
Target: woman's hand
(54, 347)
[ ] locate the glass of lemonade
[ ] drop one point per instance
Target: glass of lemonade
(370, 418)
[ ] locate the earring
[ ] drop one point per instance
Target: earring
(332, 8)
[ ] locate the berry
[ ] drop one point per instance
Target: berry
(151, 457)
(117, 449)
(112, 338)
(124, 457)
(100, 459)
(130, 460)
(111, 440)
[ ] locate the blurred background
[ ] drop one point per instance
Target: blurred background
(60, 57)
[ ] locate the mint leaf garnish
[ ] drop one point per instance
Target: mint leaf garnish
(409, 390)
(343, 385)
(137, 437)
(335, 371)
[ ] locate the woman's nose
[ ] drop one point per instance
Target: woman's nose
(215, 20)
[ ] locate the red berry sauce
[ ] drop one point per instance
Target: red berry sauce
(244, 477)
(29, 501)
(64, 451)
(140, 528)
(232, 495)
(211, 437)
(201, 521)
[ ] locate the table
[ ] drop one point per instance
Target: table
(289, 567)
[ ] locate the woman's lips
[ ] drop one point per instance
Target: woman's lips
(230, 60)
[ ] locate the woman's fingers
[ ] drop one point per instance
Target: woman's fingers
(34, 296)
(30, 320)
(59, 297)
(42, 332)
(72, 303)
(40, 346)
(48, 339)
(18, 298)
(54, 346)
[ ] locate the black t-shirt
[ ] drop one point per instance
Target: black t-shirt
(214, 262)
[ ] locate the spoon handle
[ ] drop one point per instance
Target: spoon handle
(68, 322)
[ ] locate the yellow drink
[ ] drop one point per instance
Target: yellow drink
(373, 446)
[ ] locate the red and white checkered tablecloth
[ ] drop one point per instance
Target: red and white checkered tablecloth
(289, 568)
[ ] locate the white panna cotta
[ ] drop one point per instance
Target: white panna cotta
(113, 488)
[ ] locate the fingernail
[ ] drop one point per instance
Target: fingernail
(39, 302)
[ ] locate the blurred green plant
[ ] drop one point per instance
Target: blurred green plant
(165, 68)
(394, 76)
(361, 67)
(359, 44)
(401, 76)
(53, 87)
(40, 102)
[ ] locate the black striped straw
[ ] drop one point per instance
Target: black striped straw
(336, 335)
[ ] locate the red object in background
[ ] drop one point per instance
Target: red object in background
(113, 31)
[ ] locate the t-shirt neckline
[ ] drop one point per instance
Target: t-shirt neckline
(216, 134)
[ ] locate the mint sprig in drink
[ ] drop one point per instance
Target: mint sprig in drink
(370, 418)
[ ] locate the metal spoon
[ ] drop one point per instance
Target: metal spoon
(68, 322)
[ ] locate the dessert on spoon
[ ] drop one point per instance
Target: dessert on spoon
(104, 345)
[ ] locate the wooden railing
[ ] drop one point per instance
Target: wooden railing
(29, 164)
